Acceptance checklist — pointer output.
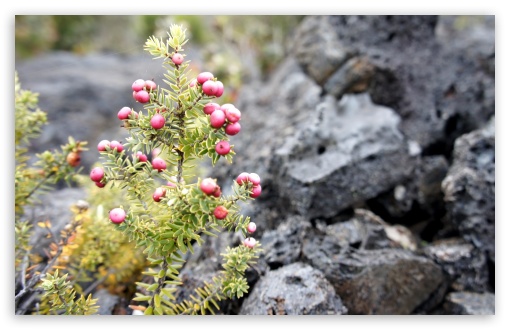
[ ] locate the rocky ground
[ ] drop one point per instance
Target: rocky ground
(375, 141)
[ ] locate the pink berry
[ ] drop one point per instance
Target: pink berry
(124, 113)
(100, 184)
(141, 156)
(217, 192)
(138, 85)
(171, 184)
(209, 87)
(96, 174)
(254, 178)
(219, 89)
(233, 114)
(157, 121)
(204, 76)
(150, 85)
(158, 164)
(242, 178)
(158, 194)
(116, 145)
(155, 152)
(208, 186)
(142, 96)
(226, 106)
(232, 128)
(210, 107)
(250, 242)
(251, 227)
(256, 191)
(220, 212)
(177, 59)
(117, 215)
(193, 83)
(222, 148)
(101, 146)
(217, 119)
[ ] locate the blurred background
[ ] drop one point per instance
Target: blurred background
(62, 57)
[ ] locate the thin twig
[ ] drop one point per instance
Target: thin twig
(94, 285)
(38, 185)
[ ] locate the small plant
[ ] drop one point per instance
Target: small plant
(31, 274)
(167, 209)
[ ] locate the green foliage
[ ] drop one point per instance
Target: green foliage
(60, 298)
(50, 167)
(167, 230)
(97, 253)
(31, 180)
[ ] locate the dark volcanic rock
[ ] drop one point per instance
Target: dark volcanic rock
(469, 303)
(352, 151)
(386, 281)
(465, 267)
(440, 88)
(469, 188)
(422, 191)
(317, 48)
(295, 289)
(282, 246)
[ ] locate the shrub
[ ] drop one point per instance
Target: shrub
(166, 220)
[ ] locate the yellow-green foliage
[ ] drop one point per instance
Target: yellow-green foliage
(59, 295)
(60, 298)
(99, 253)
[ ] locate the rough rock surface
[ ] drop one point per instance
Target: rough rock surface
(469, 188)
(470, 303)
(283, 245)
(295, 289)
(384, 281)
(351, 152)
(465, 266)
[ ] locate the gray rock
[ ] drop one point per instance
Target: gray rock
(385, 281)
(365, 231)
(385, 32)
(282, 246)
(416, 202)
(351, 152)
(469, 303)
(469, 188)
(442, 87)
(354, 76)
(465, 267)
(318, 49)
(106, 301)
(295, 289)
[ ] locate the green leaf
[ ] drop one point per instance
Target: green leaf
(157, 302)
(152, 287)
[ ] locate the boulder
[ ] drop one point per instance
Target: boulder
(295, 289)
